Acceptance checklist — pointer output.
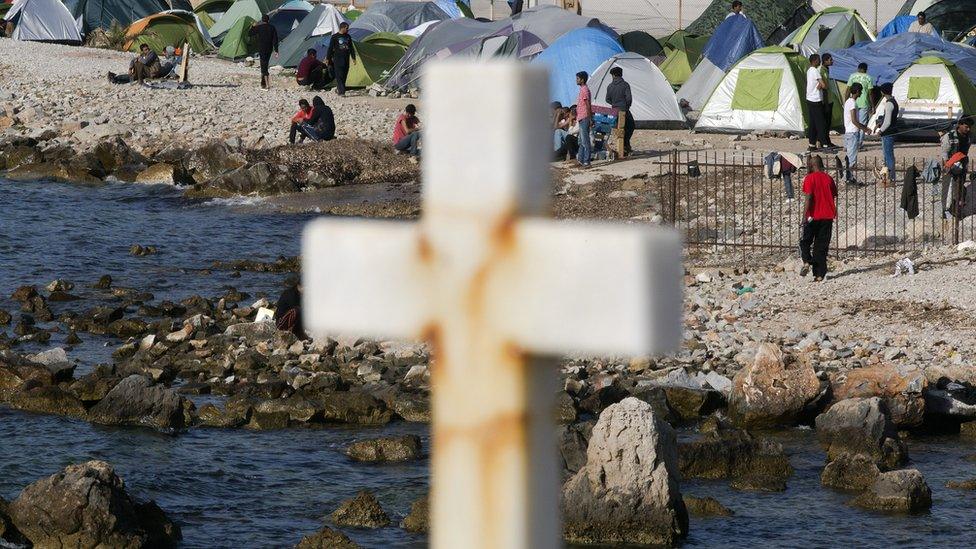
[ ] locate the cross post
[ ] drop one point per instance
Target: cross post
(495, 288)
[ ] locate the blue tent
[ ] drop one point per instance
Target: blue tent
(583, 49)
(734, 39)
(888, 57)
(897, 25)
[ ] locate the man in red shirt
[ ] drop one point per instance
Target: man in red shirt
(818, 218)
(311, 71)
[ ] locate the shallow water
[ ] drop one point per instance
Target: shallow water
(267, 489)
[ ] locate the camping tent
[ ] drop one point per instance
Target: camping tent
(323, 20)
(395, 17)
(579, 50)
(376, 55)
(641, 43)
(897, 25)
(237, 40)
(95, 14)
(655, 105)
(951, 18)
(239, 10)
(775, 19)
(172, 28)
(764, 91)
(42, 21)
(684, 51)
(888, 57)
(734, 39)
(210, 11)
(933, 90)
(830, 29)
(287, 17)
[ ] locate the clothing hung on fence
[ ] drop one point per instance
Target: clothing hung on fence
(909, 192)
(932, 171)
(958, 197)
(777, 166)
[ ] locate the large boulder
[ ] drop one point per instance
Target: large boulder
(86, 506)
(418, 520)
(902, 389)
(773, 391)
(850, 472)
(327, 538)
(385, 449)
(212, 160)
(903, 491)
(628, 490)
(751, 463)
(16, 372)
(136, 401)
(355, 408)
(362, 511)
(861, 426)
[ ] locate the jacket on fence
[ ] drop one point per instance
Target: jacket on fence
(963, 193)
(771, 162)
(909, 193)
(932, 172)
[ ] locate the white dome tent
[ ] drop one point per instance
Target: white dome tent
(43, 21)
(655, 105)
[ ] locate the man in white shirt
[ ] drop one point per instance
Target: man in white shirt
(853, 132)
(736, 9)
(815, 89)
(921, 25)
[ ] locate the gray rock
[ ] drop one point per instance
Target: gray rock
(385, 449)
(706, 507)
(362, 511)
(628, 490)
(327, 538)
(252, 332)
(773, 391)
(136, 401)
(850, 472)
(903, 491)
(861, 426)
(56, 360)
(418, 520)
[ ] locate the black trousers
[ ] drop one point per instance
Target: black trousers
(341, 72)
(316, 78)
(814, 244)
(828, 119)
(817, 132)
(629, 126)
(265, 58)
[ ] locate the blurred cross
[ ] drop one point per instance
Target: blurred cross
(493, 286)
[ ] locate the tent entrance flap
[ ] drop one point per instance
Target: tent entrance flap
(924, 87)
(757, 89)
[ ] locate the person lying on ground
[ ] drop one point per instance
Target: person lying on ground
(146, 65)
(311, 71)
(406, 132)
(301, 117)
(321, 124)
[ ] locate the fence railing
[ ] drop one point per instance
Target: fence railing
(723, 202)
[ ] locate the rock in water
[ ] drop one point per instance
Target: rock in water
(903, 491)
(770, 393)
(861, 426)
(86, 505)
(706, 507)
(362, 511)
(386, 449)
(751, 463)
(136, 401)
(418, 520)
(326, 538)
(850, 472)
(628, 490)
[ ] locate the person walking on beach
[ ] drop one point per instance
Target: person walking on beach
(816, 132)
(818, 218)
(853, 132)
(341, 52)
(887, 128)
(266, 39)
(584, 114)
(620, 97)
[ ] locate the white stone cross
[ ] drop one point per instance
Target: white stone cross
(492, 285)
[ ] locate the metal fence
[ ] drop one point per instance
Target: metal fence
(731, 206)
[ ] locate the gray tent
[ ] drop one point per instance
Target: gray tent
(323, 20)
(523, 36)
(395, 17)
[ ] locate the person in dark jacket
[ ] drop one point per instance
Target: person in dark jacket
(321, 125)
(516, 6)
(266, 39)
(620, 98)
(288, 311)
(341, 53)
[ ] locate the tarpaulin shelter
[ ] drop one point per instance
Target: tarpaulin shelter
(951, 18)
(237, 42)
(95, 14)
(735, 38)
(640, 42)
(888, 57)
(897, 25)
(775, 19)
(323, 20)
(239, 10)
(288, 16)
(654, 103)
(830, 29)
(579, 50)
(210, 11)
(765, 91)
(684, 51)
(170, 28)
(42, 21)
(395, 17)
(933, 90)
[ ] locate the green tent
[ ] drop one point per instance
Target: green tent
(375, 56)
(641, 43)
(775, 19)
(830, 29)
(465, 9)
(683, 51)
(237, 41)
(209, 11)
(933, 90)
(239, 10)
(166, 29)
(352, 15)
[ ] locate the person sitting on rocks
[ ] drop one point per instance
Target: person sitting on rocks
(302, 116)
(146, 65)
(170, 61)
(320, 126)
(406, 133)
(311, 71)
(288, 311)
